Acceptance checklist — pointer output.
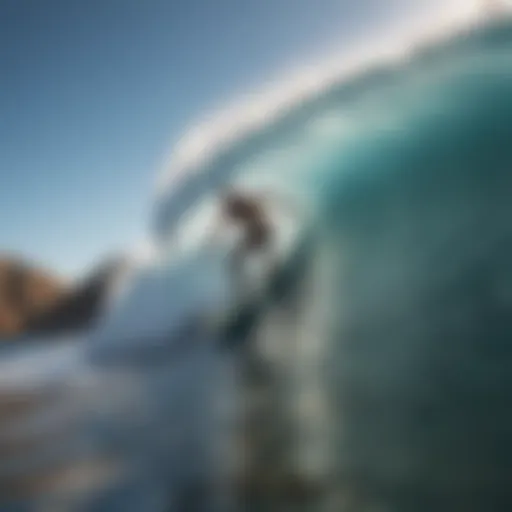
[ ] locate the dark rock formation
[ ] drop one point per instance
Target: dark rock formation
(33, 302)
(81, 305)
(25, 292)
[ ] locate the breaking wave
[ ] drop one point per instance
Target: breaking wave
(288, 129)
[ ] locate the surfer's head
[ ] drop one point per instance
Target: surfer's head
(240, 205)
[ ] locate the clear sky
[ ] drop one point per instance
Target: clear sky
(94, 92)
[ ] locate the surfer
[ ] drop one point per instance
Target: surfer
(257, 240)
(247, 213)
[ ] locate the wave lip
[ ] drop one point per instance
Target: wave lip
(216, 135)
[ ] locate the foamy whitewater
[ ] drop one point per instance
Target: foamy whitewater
(388, 157)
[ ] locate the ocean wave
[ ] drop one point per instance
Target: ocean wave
(209, 152)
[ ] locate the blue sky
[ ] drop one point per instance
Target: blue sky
(94, 92)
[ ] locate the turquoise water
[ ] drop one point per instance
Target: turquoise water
(417, 204)
(408, 168)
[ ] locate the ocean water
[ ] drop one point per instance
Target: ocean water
(405, 169)
(417, 204)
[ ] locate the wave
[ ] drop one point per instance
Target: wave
(214, 147)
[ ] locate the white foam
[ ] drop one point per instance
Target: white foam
(236, 122)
